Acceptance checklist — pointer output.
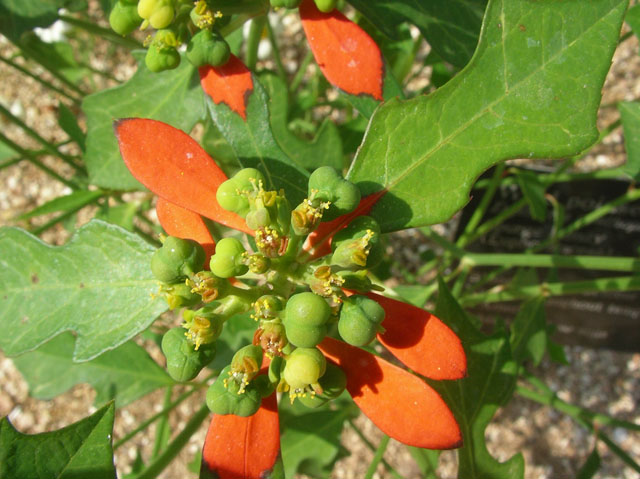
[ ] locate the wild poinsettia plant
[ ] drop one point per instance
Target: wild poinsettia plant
(295, 297)
(275, 246)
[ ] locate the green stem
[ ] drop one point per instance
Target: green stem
(62, 217)
(145, 424)
(297, 79)
(29, 156)
(480, 211)
(35, 56)
(45, 144)
(613, 173)
(107, 33)
(621, 283)
(40, 80)
(175, 446)
(371, 447)
(282, 72)
(382, 447)
(605, 263)
(162, 425)
(497, 220)
(253, 41)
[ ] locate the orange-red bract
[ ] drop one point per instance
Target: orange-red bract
(346, 54)
(420, 340)
(186, 224)
(172, 165)
(402, 405)
(230, 84)
(242, 447)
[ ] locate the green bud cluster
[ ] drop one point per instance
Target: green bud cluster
(295, 301)
(176, 22)
(323, 5)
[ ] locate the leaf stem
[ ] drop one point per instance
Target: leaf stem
(282, 72)
(605, 263)
(620, 283)
(106, 33)
(368, 443)
(175, 446)
(297, 79)
(253, 41)
(144, 424)
(382, 447)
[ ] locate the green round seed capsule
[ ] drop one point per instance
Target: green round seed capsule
(326, 5)
(326, 184)
(124, 18)
(177, 259)
(184, 362)
(227, 262)
(333, 383)
(160, 59)
(306, 316)
(360, 319)
(227, 396)
(304, 367)
(231, 194)
(207, 48)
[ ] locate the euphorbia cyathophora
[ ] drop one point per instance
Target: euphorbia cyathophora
(298, 298)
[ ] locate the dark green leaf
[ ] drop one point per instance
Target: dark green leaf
(450, 26)
(633, 19)
(124, 374)
(81, 450)
(426, 460)
(529, 332)
(69, 124)
(490, 382)
(99, 285)
(324, 150)
(311, 438)
(529, 92)
(217, 146)
(173, 96)
(254, 145)
(630, 115)
(591, 465)
(73, 201)
(533, 190)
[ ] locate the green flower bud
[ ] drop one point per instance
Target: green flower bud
(180, 295)
(267, 307)
(203, 326)
(246, 363)
(333, 382)
(259, 263)
(208, 286)
(326, 5)
(226, 396)
(158, 13)
(303, 369)
(207, 48)
(160, 59)
(360, 319)
(327, 185)
(272, 338)
(124, 18)
(228, 260)
(184, 362)
(358, 246)
(177, 259)
(258, 218)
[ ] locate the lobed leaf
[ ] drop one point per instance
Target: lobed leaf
(82, 449)
(532, 89)
(173, 97)
(99, 285)
(402, 405)
(124, 374)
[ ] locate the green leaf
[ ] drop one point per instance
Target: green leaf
(474, 400)
(366, 104)
(18, 16)
(630, 115)
(633, 19)
(414, 294)
(99, 285)
(81, 450)
(121, 215)
(73, 201)
(254, 145)
(533, 190)
(324, 150)
(56, 56)
(529, 332)
(124, 374)
(69, 123)
(591, 465)
(173, 96)
(450, 26)
(311, 438)
(6, 152)
(529, 91)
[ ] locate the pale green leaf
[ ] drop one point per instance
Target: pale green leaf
(173, 97)
(533, 190)
(73, 201)
(81, 450)
(529, 332)
(532, 89)
(124, 374)
(99, 285)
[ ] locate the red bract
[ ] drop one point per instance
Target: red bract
(348, 57)
(173, 166)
